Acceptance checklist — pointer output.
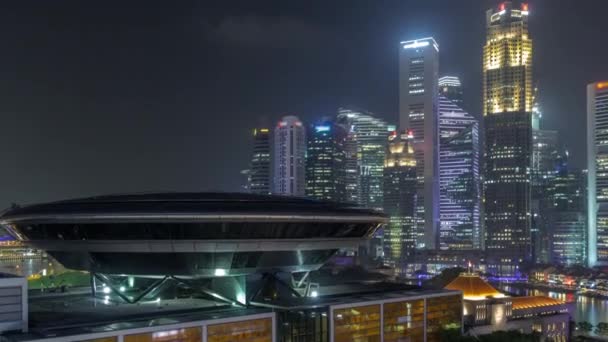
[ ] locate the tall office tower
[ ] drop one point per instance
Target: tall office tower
(451, 89)
(289, 157)
(507, 107)
(365, 152)
(597, 176)
(544, 152)
(459, 182)
(325, 172)
(399, 200)
(418, 93)
(568, 221)
(259, 170)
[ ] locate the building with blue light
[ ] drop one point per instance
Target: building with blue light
(459, 178)
(325, 162)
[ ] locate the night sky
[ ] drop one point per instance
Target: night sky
(102, 97)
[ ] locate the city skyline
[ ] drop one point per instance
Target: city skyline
(123, 110)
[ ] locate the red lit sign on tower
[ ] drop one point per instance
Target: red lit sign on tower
(524, 7)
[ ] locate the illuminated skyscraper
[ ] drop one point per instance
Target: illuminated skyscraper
(418, 93)
(568, 221)
(365, 152)
(507, 109)
(399, 200)
(259, 170)
(289, 157)
(597, 177)
(451, 89)
(459, 182)
(325, 162)
(544, 154)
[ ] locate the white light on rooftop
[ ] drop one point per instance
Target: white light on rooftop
(220, 272)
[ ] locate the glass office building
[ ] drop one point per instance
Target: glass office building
(459, 178)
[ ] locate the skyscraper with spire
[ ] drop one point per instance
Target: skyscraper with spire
(507, 110)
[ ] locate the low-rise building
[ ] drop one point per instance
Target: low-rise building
(486, 310)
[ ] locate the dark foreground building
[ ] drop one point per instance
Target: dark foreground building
(213, 267)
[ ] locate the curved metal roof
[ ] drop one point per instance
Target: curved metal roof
(191, 206)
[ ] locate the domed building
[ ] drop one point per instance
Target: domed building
(485, 310)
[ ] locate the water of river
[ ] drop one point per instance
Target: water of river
(582, 308)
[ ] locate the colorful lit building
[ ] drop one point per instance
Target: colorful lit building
(597, 177)
(400, 197)
(507, 110)
(289, 156)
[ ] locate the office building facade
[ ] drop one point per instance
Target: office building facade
(259, 169)
(451, 88)
(365, 150)
(459, 178)
(400, 195)
(418, 112)
(289, 157)
(597, 176)
(325, 162)
(507, 110)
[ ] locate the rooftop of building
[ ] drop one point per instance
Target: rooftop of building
(68, 314)
(531, 302)
(473, 287)
(195, 204)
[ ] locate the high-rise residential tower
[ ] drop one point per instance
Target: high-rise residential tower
(325, 162)
(418, 112)
(459, 178)
(289, 157)
(259, 170)
(507, 110)
(365, 151)
(451, 88)
(399, 200)
(597, 177)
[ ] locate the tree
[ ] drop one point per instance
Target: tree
(602, 329)
(584, 327)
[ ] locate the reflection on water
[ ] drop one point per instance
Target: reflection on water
(27, 267)
(592, 310)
